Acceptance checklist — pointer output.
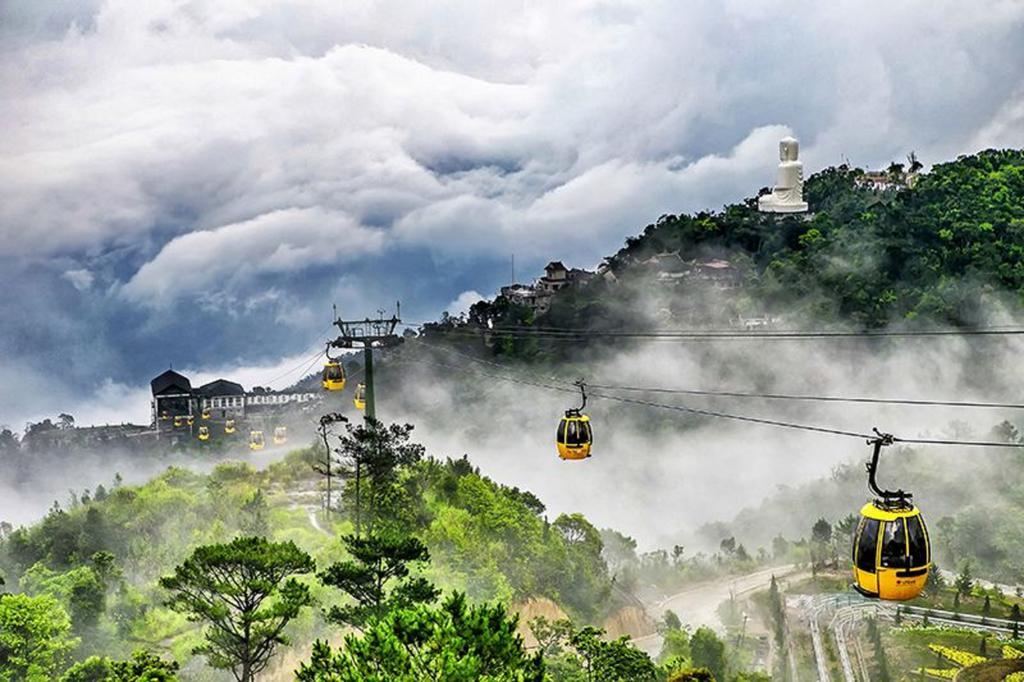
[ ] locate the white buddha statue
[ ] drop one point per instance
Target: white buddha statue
(788, 195)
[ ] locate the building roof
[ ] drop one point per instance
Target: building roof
(555, 265)
(170, 382)
(220, 387)
(715, 264)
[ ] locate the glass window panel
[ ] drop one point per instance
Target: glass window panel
(894, 545)
(867, 541)
(917, 540)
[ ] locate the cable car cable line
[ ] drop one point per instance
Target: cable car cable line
(680, 408)
(736, 417)
(769, 334)
(304, 362)
(767, 396)
(811, 398)
(577, 335)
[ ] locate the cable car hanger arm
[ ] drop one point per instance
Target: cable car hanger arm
(899, 497)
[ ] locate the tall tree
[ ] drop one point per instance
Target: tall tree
(375, 453)
(253, 518)
(821, 532)
(708, 651)
(586, 584)
(964, 583)
(378, 560)
(246, 593)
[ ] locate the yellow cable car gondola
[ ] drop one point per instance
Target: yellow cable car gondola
(891, 550)
(204, 433)
(164, 416)
(229, 426)
(575, 436)
(190, 420)
(179, 420)
(359, 399)
(280, 435)
(333, 374)
(206, 413)
(256, 440)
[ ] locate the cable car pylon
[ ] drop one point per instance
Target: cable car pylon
(368, 334)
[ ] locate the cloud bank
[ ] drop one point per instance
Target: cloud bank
(198, 181)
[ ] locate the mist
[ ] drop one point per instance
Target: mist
(659, 475)
(62, 475)
(656, 474)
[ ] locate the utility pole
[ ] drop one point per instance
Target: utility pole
(368, 334)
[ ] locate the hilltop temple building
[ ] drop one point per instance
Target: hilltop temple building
(788, 195)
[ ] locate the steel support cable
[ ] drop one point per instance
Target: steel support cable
(735, 417)
(305, 365)
(680, 408)
(481, 361)
(990, 330)
(578, 336)
(812, 398)
(968, 443)
(747, 394)
(770, 334)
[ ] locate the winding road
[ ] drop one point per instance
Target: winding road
(697, 606)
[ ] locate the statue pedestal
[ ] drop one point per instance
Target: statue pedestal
(769, 203)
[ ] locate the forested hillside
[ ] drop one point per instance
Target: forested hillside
(925, 249)
(130, 581)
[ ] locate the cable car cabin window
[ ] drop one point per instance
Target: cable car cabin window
(918, 541)
(894, 545)
(561, 431)
(576, 433)
(867, 541)
(588, 433)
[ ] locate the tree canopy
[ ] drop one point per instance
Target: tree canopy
(245, 594)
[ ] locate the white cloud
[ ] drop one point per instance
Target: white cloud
(273, 243)
(231, 152)
(463, 303)
(483, 123)
(80, 279)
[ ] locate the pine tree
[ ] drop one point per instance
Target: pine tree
(964, 583)
(245, 592)
(378, 578)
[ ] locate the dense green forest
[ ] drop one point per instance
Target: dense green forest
(124, 582)
(944, 247)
